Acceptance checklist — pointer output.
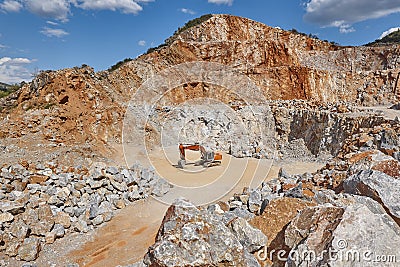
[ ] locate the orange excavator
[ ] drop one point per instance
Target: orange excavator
(208, 158)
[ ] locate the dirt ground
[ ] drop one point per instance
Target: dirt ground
(125, 239)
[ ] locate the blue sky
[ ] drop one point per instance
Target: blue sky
(55, 34)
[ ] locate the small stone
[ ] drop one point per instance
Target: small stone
(19, 229)
(122, 187)
(63, 219)
(95, 184)
(134, 195)
(244, 199)
(33, 188)
(107, 216)
(119, 204)
(29, 250)
(235, 204)
(112, 170)
(295, 192)
(81, 226)
(93, 211)
(12, 248)
(38, 179)
(255, 201)
(58, 230)
(19, 185)
(54, 200)
(11, 207)
(50, 237)
(6, 217)
(98, 220)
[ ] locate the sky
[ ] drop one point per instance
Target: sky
(40, 35)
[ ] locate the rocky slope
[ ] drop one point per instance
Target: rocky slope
(80, 107)
(306, 96)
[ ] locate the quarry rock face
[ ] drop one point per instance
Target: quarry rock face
(81, 108)
(311, 101)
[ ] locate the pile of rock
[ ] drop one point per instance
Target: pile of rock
(303, 223)
(39, 204)
(191, 236)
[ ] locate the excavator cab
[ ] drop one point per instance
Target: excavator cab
(208, 158)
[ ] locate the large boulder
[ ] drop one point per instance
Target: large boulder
(365, 236)
(190, 236)
(355, 235)
(311, 231)
(379, 186)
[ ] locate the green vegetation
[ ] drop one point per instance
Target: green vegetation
(393, 38)
(313, 36)
(304, 34)
(192, 23)
(119, 64)
(6, 89)
(188, 25)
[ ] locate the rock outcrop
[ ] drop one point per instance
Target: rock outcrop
(190, 236)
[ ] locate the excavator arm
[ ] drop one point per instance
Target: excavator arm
(208, 158)
(195, 147)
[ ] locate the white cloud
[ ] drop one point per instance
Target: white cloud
(52, 23)
(343, 13)
(11, 6)
(220, 2)
(51, 32)
(61, 9)
(14, 70)
(346, 28)
(125, 6)
(2, 46)
(187, 11)
(55, 9)
(142, 43)
(389, 32)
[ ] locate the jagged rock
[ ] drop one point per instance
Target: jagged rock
(365, 231)
(122, 187)
(6, 217)
(63, 219)
(98, 220)
(11, 207)
(161, 187)
(252, 239)
(312, 231)
(240, 212)
(295, 192)
(255, 201)
(378, 186)
(119, 204)
(50, 237)
(19, 229)
(58, 230)
(81, 226)
(274, 220)
(112, 170)
(390, 140)
(12, 247)
(29, 250)
(189, 236)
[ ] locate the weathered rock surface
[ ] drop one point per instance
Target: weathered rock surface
(378, 186)
(190, 236)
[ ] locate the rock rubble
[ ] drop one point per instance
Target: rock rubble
(44, 202)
